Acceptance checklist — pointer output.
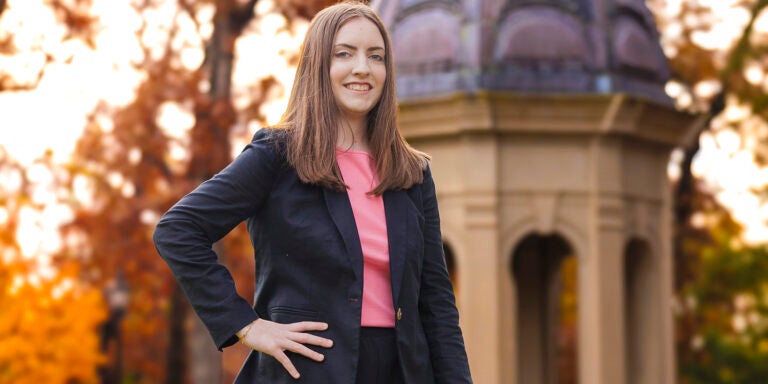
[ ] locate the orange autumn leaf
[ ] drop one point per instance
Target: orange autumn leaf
(48, 329)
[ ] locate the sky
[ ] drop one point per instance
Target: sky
(52, 115)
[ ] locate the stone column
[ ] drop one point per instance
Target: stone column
(481, 272)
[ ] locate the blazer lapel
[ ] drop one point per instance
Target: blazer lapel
(394, 208)
(395, 205)
(340, 210)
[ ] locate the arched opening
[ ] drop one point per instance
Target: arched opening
(640, 315)
(545, 272)
(450, 263)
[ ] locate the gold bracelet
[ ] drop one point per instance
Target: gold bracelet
(246, 330)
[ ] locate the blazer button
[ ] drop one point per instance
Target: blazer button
(399, 314)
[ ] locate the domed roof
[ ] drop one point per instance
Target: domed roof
(566, 46)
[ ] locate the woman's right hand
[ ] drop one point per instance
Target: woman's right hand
(275, 338)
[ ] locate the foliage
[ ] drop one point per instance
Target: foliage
(129, 167)
(48, 322)
(717, 53)
(726, 305)
(48, 328)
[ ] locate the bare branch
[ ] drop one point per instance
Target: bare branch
(189, 10)
(241, 16)
(741, 50)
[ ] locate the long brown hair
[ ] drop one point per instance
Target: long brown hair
(312, 117)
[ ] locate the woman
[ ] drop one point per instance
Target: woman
(351, 282)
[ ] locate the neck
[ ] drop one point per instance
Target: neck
(351, 135)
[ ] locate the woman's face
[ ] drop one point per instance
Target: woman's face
(358, 71)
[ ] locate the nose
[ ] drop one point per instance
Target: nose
(361, 67)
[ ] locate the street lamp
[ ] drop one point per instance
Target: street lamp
(116, 293)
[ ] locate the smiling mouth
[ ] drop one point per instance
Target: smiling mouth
(358, 87)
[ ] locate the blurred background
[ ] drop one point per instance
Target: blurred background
(110, 111)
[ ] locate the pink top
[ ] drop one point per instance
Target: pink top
(358, 170)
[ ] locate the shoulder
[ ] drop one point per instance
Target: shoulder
(273, 136)
(426, 172)
(420, 161)
(425, 168)
(269, 143)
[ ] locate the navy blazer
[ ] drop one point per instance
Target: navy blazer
(309, 266)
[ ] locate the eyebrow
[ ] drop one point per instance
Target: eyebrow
(348, 46)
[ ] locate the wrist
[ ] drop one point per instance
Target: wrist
(243, 333)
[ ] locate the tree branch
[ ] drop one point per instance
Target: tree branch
(187, 7)
(686, 189)
(741, 49)
(242, 15)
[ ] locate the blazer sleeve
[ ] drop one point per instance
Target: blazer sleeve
(185, 235)
(437, 304)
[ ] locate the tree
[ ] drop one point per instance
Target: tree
(723, 305)
(48, 321)
(714, 267)
(129, 165)
(48, 328)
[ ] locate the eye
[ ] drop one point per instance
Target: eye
(342, 54)
(377, 57)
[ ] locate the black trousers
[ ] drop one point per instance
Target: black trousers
(378, 362)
